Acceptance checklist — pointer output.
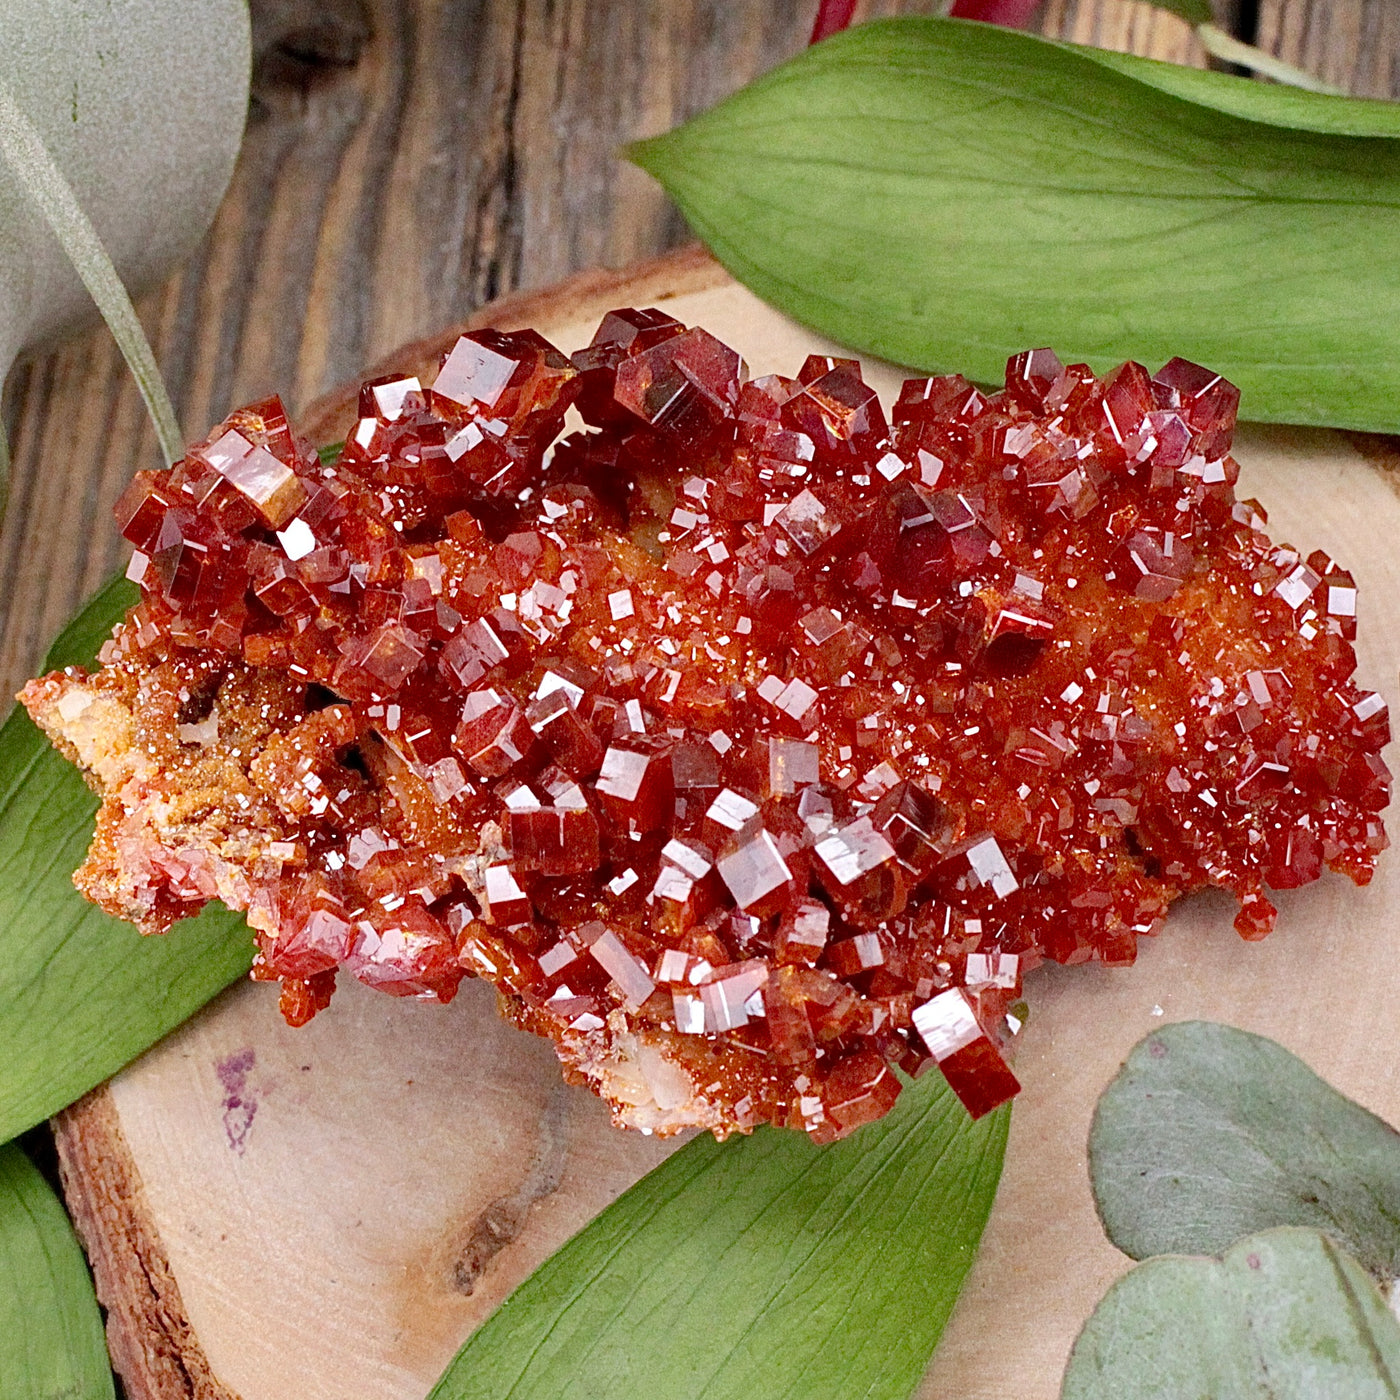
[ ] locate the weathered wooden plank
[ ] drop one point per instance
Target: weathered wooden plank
(1354, 45)
(1129, 26)
(468, 152)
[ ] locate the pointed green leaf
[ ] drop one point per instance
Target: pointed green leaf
(51, 1344)
(1285, 1315)
(945, 194)
(761, 1267)
(1209, 1133)
(1192, 11)
(81, 993)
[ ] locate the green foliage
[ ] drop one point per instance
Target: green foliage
(1192, 11)
(762, 1267)
(51, 1344)
(22, 149)
(1285, 1315)
(81, 993)
(945, 194)
(1213, 1141)
(1209, 1133)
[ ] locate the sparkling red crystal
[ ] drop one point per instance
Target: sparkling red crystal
(747, 715)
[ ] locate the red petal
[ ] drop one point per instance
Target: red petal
(832, 17)
(1013, 13)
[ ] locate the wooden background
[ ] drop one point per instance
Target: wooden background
(406, 162)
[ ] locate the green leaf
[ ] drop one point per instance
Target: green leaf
(945, 194)
(82, 638)
(762, 1267)
(1209, 1133)
(81, 993)
(1192, 11)
(51, 1344)
(1285, 1315)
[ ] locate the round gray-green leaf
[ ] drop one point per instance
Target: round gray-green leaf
(1285, 1315)
(1209, 1133)
(759, 1267)
(81, 993)
(51, 1344)
(945, 194)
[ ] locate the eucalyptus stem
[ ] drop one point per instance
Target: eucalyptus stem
(23, 149)
(1225, 46)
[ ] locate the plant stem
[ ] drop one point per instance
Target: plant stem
(22, 147)
(1225, 46)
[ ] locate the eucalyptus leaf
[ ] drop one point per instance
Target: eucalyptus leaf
(761, 1267)
(81, 993)
(22, 148)
(1285, 1315)
(51, 1343)
(1209, 1133)
(945, 194)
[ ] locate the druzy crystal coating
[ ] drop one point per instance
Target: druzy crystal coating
(745, 728)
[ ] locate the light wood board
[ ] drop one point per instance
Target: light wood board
(299, 1213)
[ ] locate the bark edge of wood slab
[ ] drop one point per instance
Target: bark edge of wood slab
(153, 1347)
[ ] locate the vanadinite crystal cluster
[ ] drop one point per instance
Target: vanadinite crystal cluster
(752, 742)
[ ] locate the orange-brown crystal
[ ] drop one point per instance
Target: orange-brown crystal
(751, 715)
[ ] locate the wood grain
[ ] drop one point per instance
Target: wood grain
(1353, 45)
(687, 270)
(404, 164)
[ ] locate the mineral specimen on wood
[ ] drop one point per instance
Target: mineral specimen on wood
(752, 743)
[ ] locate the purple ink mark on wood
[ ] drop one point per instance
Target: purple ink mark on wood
(240, 1103)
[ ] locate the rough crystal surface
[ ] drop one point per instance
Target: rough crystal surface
(752, 742)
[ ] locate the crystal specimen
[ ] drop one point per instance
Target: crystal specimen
(753, 743)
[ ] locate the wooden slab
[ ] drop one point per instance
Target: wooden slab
(325, 1214)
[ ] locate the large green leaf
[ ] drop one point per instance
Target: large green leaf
(51, 1345)
(945, 194)
(1286, 1315)
(1192, 11)
(81, 993)
(763, 1267)
(1209, 1133)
